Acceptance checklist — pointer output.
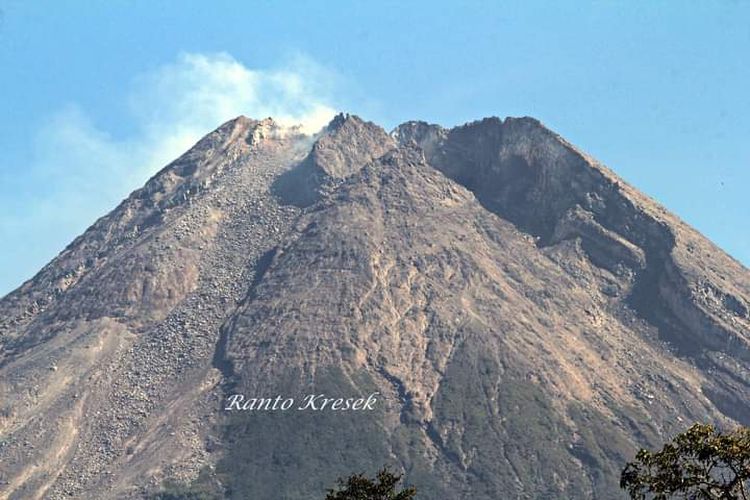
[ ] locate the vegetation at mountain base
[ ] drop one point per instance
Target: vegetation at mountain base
(700, 463)
(383, 487)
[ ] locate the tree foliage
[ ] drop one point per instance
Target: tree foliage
(359, 487)
(701, 463)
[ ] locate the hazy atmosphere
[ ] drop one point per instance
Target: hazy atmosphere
(96, 97)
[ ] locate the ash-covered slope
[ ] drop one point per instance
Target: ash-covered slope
(528, 318)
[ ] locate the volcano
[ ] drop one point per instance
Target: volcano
(513, 318)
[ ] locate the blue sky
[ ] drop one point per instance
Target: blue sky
(96, 96)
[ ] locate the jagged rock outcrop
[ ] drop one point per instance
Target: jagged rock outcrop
(347, 144)
(528, 318)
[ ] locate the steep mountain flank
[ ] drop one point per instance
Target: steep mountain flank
(535, 179)
(527, 318)
(119, 359)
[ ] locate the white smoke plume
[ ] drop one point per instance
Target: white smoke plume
(79, 171)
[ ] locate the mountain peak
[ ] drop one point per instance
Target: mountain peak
(343, 120)
(348, 143)
(340, 119)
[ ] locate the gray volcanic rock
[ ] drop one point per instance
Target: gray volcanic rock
(345, 145)
(527, 318)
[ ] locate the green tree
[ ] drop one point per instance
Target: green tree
(699, 464)
(359, 487)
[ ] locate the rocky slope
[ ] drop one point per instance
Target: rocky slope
(528, 317)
